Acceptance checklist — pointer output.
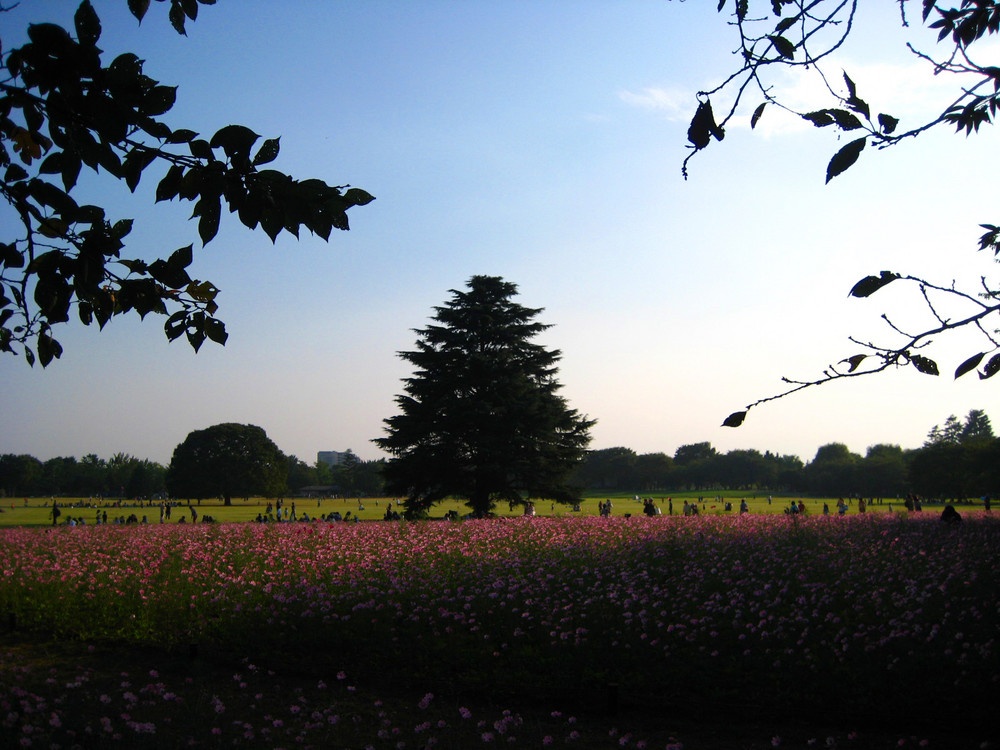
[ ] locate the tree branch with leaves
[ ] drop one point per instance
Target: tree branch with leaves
(62, 109)
(804, 34)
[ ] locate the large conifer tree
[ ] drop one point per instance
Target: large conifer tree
(481, 418)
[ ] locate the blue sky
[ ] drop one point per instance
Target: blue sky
(542, 142)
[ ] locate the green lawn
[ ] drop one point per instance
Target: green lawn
(37, 511)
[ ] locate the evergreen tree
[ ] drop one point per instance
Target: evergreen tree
(481, 418)
(950, 434)
(977, 427)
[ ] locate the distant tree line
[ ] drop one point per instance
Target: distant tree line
(128, 477)
(958, 459)
(120, 476)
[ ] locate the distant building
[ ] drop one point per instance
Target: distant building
(333, 458)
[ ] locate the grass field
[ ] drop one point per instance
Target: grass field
(869, 631)
(37, 511)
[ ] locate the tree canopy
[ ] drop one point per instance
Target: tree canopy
(226, 460)
(63, 108)
(481, 417)
(792, 34)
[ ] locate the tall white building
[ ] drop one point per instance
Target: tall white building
(332, 458)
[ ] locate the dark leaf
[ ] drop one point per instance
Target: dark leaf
(969, 365)
(216, 331)
(860, 106)
(358, 197)
(53, 227)
(108, 159)
(138, 8)
(785, 23)
(887, 123)
(195, 330)
(15, 173)
(51, 38)
(203, 291)
(90, 214)
(756, 115)
(785, 48)
(85, 312)
(845, 158)
(71, 165)
(339, 220)
(168, 275)
(855, 361)
(991, 238)
(88, 29)
(90, 272)
(181, 257)
(142, 294)
(871, 284)
(267, 153)
(52, 295)
(176, 16)
(181, 136)
(208, 225)
(270, 222)
(200, 149)
(125, 73)
(49, 195)
(10, 256)
(992, 367)
(703, 126)
(136, 161)
(924, 365)
(52, 164)
(158, 100)
(175, 325)
(820, 119)
(735, 419)
(48, 348)
(845, 120)
(852, 90)
(235, 140)
(170, 184)
(135, 266)
(121, 229)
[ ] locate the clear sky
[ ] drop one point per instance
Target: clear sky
(540, 141)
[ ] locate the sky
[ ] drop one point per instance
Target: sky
(542, 142)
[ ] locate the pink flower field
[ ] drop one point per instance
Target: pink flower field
(644, 632)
